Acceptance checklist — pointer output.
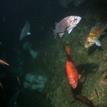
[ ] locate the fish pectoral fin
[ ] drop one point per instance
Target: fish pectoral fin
(98, 43)
(69, 30)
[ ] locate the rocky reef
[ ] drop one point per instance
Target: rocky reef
(91, 64)
(41, 78)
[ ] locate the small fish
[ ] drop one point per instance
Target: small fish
(25, 31)
(1, 85)
(71, 71)
(94, 35)
(2, 62)
(66, 24)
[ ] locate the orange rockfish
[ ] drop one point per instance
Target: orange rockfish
(71, 71)
(94, 35)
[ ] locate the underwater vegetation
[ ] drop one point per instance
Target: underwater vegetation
(91, 88)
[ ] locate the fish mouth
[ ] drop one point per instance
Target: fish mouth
(74, 86)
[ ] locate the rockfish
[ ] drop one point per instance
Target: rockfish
(2, 62)
(66, 24)
(94, 35)
(71, 71)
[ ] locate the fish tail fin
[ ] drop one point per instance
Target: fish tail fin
(68, 52)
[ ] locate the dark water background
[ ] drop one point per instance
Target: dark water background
(40, 14)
